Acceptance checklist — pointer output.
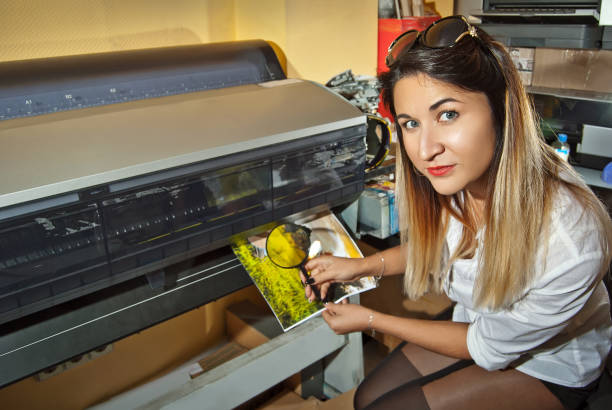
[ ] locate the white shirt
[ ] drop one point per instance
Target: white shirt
(560, 330)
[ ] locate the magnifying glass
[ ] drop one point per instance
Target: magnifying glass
(288, 246)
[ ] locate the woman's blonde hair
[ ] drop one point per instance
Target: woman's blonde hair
(524, 176)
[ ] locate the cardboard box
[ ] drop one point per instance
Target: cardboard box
(523, 59)
(224, 354)
(289, 400)
(247, 326)
(292, 401)
(377, 212)
(250, 325)
(574, 69)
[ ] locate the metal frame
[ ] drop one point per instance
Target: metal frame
(242, 378)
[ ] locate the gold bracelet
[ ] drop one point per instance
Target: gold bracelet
(380, 275)
(370, 320)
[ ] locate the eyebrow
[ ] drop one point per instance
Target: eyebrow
(433, 107)
(442, 101)
(406, 116)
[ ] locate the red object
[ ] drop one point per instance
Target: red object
(389, 30)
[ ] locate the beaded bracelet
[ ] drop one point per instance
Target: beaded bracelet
(370, 320)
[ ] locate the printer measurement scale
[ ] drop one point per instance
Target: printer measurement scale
(64, 100)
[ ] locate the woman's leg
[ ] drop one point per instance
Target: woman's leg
(477, 388)
(472, 388)
(406, 363)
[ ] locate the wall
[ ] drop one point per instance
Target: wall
(39, 28)
(320, 38)
(443, 7)
(342, 33)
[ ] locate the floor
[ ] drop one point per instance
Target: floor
(373, 352)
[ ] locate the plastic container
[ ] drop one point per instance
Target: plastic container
(606, 175)
(561, 146)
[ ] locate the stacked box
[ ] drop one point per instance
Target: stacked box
(606, 40)
(377, 210)
(523, 59)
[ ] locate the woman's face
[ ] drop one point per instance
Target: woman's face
(448, 133)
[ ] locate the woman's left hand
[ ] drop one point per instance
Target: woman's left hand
(346, 317)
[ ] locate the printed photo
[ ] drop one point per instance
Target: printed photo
(282, 287)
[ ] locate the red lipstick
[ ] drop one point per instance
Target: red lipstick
(439, 171)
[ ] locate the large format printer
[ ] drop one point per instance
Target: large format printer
(542, 23)
(544, 10)
(123, 176)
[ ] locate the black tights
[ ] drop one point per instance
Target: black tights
(447, 384)
(393, 384)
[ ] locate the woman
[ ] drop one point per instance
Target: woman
(493, 218)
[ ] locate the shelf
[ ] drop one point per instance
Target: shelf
(573, 94)
(593, 177)
(236, 381)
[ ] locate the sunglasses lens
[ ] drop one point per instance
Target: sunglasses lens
(405, 41)
(441, 34)
(444, 33)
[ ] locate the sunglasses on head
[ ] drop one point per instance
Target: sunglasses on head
(441, 34)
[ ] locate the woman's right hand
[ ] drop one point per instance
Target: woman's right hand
(327, 269)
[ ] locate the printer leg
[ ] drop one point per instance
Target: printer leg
(344, 368)
(312, 380)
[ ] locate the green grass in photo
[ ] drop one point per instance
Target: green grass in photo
(281, 287)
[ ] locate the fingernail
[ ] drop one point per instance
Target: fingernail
(310, 281)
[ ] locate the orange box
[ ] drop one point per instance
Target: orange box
(389, 30)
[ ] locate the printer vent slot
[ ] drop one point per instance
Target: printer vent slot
(318, 175)
(165, 219)
(61, 245)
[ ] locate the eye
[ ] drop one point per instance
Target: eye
(410, 124)
(448, 115)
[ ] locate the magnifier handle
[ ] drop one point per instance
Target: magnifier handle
(314, 288)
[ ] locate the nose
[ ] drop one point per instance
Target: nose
(430, 144)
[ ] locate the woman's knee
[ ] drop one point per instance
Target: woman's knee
(362, 396)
